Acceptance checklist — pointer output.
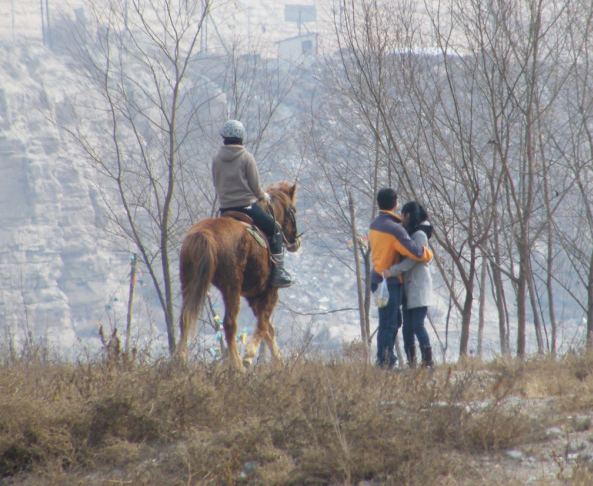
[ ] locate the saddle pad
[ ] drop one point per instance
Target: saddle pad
(254, 231)
(244, 218)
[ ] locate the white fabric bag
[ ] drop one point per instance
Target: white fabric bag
(382, 294)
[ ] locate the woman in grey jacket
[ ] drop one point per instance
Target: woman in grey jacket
(417, 282)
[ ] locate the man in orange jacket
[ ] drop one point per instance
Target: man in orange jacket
(389, 241)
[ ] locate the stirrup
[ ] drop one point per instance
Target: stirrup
(281, 279)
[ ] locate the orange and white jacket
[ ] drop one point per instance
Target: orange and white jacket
(389, 242)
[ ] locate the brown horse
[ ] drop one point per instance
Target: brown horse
(222, 253)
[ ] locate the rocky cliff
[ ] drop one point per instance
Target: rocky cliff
(55, 279)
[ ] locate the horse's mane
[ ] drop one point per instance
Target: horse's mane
(281, 190)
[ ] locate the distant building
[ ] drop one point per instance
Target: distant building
(296, 49)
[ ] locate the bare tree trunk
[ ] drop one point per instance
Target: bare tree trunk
(482, 309)
(521, 296)
(466, 313)
(131, 302)
(536, 316)
(550, 260)
(466, 316)
(550, 291)
(590, 306)
(499, 298)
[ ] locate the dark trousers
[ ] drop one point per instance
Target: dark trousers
(389, 322)
(414, 325)
(264, 222)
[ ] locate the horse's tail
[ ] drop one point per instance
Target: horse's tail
(197, 267)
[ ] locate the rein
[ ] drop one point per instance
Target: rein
(290, 214)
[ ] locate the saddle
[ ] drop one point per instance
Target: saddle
(247, 221)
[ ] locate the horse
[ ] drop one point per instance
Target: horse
(221, 252)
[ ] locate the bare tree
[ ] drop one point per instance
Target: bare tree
(142, 116)
(575, 144)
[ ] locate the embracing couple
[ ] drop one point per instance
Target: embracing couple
(400, 254)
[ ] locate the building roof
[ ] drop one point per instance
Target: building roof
(303, 36)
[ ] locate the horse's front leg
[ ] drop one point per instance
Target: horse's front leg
(263, 306)
(270, 339)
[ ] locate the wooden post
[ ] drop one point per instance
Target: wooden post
(363, 331)
(131, 301)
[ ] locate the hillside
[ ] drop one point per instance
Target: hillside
(56, 274)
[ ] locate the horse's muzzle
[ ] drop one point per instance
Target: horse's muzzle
(294, 246)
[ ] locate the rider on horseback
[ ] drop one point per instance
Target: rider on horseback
(238, 188)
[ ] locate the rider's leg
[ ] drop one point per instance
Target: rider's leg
(280, 277)
(260, 218)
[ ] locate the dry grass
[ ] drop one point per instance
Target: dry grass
(311, 422)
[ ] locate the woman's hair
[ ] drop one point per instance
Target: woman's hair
(416, 212)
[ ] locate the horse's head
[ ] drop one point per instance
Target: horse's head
(283, 200)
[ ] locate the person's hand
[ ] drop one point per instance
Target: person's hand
(387, 273)
(267, 198)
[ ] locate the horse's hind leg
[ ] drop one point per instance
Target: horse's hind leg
(232, 302)
(187, 325)
(263, 306)
(182, 346)
(262, 328)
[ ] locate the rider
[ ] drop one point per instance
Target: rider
(237, 185)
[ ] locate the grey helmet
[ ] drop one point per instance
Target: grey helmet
(233, 129)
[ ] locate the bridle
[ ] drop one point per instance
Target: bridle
(289, 217)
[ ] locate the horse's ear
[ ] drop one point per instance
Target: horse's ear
(292, 193)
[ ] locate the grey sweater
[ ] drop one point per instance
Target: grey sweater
(417, 277)
(235, 177)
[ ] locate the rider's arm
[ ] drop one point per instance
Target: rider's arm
(253, 177)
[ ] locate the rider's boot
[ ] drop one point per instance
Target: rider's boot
(280, 277)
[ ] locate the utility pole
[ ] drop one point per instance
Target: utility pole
(13, 31)
(131, 301)
(363, 328)
(42, 22)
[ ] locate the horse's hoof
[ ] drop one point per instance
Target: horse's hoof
(247, 363)
(180, 359)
